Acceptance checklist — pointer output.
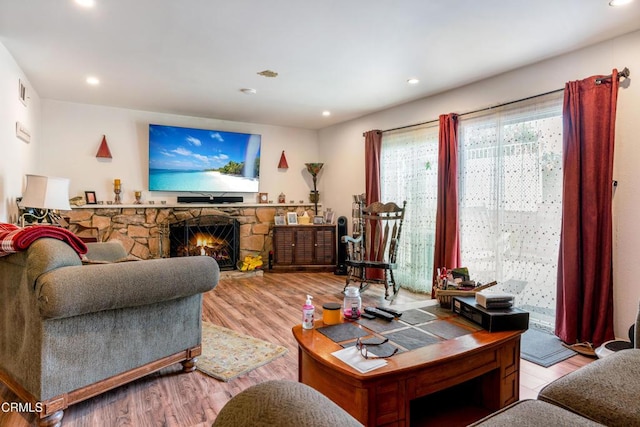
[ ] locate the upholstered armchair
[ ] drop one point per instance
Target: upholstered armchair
(70, 331)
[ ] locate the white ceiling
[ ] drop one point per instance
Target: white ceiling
(351, 57)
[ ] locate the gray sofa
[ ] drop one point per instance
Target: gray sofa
(70, 331)
(604, 392)
(283, 404)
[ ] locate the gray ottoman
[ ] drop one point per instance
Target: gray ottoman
(283, 404)
(534, 413)
(606, 390)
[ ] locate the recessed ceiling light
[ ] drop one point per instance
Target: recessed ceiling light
(248, 91)
(615, 3)
(86, 3)
(413, 81)
(93, 81)
(326, 113)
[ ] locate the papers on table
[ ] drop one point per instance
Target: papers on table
(352, 357)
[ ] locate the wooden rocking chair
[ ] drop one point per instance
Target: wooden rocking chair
(371, 252)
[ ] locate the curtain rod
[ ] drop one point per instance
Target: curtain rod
(624, 73)
(475, 111)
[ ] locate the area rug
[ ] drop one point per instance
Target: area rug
(543, 348)
(227, 354)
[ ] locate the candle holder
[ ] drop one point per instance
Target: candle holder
(117, 191)
(138, 195)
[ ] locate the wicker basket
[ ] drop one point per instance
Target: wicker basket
(445, 296)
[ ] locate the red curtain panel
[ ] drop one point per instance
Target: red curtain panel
(585, 274)
(447, 243)
(372, 149)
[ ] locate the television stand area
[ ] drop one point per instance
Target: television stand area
(210, 199)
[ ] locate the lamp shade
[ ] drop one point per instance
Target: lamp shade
(314, 168)
(44, 192)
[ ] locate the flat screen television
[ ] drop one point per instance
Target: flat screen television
(201, 160)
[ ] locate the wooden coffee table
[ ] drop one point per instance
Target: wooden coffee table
(483, 365)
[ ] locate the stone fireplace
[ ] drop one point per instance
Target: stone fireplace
(217, 236)
(145, 230)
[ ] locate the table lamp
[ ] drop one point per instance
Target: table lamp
(42, 195)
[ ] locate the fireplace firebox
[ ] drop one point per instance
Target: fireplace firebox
(217, 236)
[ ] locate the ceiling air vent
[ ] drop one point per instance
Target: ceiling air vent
(268, 73)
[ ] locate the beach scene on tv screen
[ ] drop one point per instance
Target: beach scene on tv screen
(200, 160)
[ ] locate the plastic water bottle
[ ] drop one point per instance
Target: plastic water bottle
(308, 311)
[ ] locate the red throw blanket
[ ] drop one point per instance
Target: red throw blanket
(14, 239)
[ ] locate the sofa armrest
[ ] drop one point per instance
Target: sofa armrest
(605, 390)
(282, 403)
(47, 254)
(76, 290)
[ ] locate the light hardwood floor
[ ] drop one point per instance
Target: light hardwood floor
(264, 307)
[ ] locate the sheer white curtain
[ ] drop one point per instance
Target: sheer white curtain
(510, 183)
(408, 171)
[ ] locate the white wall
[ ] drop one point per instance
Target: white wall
(73, 132)
(342, 146)
(17, 157)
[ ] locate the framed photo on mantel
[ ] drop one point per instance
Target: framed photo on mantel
(90, 197)
(292, 218)
(328, 217)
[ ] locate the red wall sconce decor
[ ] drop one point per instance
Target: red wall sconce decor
(103, 151)
(283, 162)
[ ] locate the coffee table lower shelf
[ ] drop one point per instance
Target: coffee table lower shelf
(479, 370)
(456, 406)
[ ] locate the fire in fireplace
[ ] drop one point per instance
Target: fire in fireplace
(216, 236)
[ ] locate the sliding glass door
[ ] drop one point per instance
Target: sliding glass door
(510, 182)
(409, 171)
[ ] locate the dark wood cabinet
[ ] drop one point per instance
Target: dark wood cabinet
(304, 247)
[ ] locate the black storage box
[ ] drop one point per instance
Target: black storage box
(495, 320)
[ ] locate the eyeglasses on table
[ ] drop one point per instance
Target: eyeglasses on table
(362, 347)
